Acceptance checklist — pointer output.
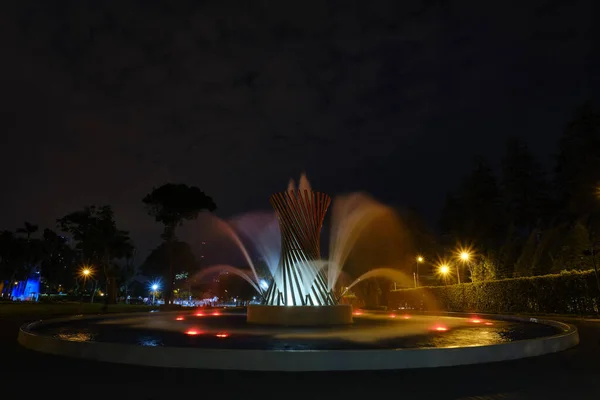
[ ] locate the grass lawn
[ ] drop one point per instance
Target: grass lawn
(67, 308)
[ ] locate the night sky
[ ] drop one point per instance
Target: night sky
(102, 100)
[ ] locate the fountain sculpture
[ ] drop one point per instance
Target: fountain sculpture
(299, 294)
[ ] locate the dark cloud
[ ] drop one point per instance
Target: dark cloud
(103, 100)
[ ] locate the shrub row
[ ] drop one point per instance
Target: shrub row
(566, 293)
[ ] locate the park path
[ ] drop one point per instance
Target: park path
(573, 374)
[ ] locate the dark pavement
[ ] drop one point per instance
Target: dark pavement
(573, 374)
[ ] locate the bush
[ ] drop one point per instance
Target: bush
(566, 293)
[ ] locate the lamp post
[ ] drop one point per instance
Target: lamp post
(444, 270)
(416, 276)
(85, 272)
(464, 256)
(154, 288)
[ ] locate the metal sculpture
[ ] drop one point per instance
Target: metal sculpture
(300, 279)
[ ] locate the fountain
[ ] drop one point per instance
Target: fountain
(300, 324)
(299, 294)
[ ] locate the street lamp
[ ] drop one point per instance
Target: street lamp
(154, 288)
(416, 276)
(444, 271)
(464, 255)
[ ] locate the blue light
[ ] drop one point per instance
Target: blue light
(264, 284)
(28, 290)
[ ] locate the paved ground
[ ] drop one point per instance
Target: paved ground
(573, 374)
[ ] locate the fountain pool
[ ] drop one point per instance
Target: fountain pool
(222, 339)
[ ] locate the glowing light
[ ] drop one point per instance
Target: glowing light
(444, 269)
(488, 323)
(464, 253)
(199, 314)
(392, 315)
(420, 259)
(357, 313)
(264, 284)
(440, 328)
(179, 319)
(192, 332)
(155, 287)
(216, 313)
(406, 316)
(475, 320)
(222, 335)
(86, 272)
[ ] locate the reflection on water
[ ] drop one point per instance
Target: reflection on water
(149, 342)
(231, 331)
(468, 338)
(75, 336)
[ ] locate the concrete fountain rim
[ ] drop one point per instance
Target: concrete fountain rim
(300, 360)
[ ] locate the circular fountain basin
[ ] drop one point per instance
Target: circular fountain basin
(300, 315)
(217, 339)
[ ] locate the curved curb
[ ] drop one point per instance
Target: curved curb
(300, 360)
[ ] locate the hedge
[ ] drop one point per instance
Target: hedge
(565, 293)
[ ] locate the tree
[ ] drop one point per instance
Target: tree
(100, 242)
(158, 261)
(33, 249)
(509, 253)
(12, 258)
(525, 263)
(484, 267)
(474, 213)
(547, 251)
(171, 205)
(28, 230)
(571, 254)
(577, 176)
(525, 189)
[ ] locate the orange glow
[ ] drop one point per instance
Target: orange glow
(392, 315)
(406, 316)
(440, 328)
(216, 313)
(222, 335)
(199, 314)
(475, 320)
(179, 319)
(192, 332)
(489, 323)
(357, 312)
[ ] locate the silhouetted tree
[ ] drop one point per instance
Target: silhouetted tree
(525, 263)
(571, 254)
(525, 188)
(509, 253)
(578, 164)
(100, 242)
(171, 205)
(180, 255)
(484, 267)
(474, 214)
(12, 257)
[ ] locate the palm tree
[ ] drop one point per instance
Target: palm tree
(28, 230)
